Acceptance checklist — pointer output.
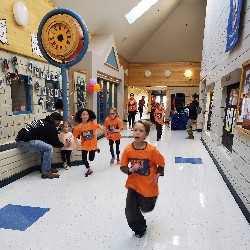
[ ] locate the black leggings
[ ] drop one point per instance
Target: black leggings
(117, 143)
(158, 129)
(65, 154)
(85, 157)
(131, 117)
(140, 111)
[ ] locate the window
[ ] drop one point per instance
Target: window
(139, 10)
(52, 92)
(21, 95)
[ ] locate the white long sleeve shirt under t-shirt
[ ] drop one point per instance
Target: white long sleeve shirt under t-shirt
(66, 137)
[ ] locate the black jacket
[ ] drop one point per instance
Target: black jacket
(192, 109)
(43, 130)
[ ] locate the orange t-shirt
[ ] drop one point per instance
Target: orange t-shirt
(111, 125)
(159, 116)
(142, 180)
(88, 135)
(131, 104)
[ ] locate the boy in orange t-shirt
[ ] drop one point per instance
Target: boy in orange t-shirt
(86, 129)
(147, 164)
(113, 126)
(159, 115)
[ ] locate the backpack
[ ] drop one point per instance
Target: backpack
(198, 110)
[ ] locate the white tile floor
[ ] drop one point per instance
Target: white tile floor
(195, 210)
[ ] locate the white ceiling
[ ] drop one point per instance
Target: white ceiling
(172, 30)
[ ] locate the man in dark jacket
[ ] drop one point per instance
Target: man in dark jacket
(41, 136)
(192, 114)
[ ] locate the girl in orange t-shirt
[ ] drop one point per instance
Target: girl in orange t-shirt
(159, 115)
(146, 165)
(86, 129)
(131, 105)
(113, 126)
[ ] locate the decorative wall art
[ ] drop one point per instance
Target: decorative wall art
(34, 45)
(1, 82)
(243, 110)
(79, 89)
(3, 31)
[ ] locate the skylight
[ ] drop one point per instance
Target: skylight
(138, 10)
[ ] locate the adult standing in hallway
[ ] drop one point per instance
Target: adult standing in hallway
(131, 105)
(192, 114)
(154, 106)
(141, 105)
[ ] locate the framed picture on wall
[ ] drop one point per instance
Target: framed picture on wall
(243, 108)
(79, 89)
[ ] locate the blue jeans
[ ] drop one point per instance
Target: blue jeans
(45, 149)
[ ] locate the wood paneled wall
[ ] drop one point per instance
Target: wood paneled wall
(19, 39)
(137, 78)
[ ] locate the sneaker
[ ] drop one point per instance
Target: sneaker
(50, 175)
(66, 167)
(190, 137)
(89, 172)
(157, 139)
(140, 233)
(112, 160)
(54, 170)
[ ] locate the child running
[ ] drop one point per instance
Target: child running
(86, 129)
(66, 137)
(113, 126)
(146, 165)
(159, 115)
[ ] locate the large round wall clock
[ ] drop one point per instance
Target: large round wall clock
(63, 41)
(62, 37)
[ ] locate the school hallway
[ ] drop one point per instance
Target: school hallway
(195, 209)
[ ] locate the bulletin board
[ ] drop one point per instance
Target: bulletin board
(79, 89)
(243, 108)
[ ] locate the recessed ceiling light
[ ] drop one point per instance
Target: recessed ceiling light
(138, 10)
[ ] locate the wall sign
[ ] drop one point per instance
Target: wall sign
(233, 24)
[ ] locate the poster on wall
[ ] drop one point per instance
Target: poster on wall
(34, 45)
(3, 31)
(243, 110)
(229, 122)
(233, 24)
(79, 89)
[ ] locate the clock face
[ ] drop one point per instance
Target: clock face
(60, 36)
